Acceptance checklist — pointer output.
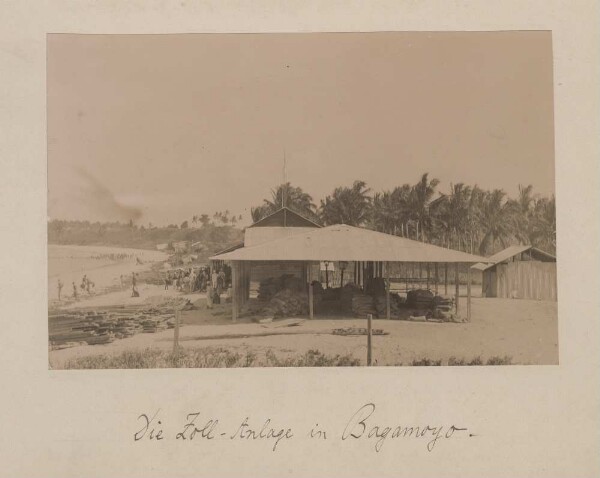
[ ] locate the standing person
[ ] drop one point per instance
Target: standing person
(74, 290)
(222, 282)
(134, 292)
(214, 278)
(122, 282)
(209, 296)
(192, 281)
(88, 284)
(60, 286)
(202, 285)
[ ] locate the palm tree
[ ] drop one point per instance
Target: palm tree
(421, 195)
(543, 224)
(390, 210)
(450, 215)
(497, 221)
(524, 209)
(347, 205)
(289, 196)
(474, 216)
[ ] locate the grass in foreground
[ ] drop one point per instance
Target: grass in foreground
(210, 357)
(206, 358)
(453, 361)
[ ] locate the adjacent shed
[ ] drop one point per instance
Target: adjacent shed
(519, 272)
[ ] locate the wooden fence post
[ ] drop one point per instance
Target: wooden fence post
(310, 293)
(387, 291)
(176, 331)
(369, 339)
(234, 290)
(456, 286)
(469, 294)
(445, 278)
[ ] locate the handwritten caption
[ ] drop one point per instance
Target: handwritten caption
(362, 425)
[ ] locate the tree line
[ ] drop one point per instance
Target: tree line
(466, 218)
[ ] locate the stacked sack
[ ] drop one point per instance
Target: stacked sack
(363, 304)
(271, 286)
(381, 305)
(287, 303)
(420, 299)
(346, 295)
(442, 307)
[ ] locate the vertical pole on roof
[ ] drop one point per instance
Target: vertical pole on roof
(310, 292)
(456, 286)
(234, 290)
(469, 294)
(388, 311)
(445, 278)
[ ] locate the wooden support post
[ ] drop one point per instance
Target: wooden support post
(369, 339)
(428, 275)
(388, 311)
(469, 294)
(176, 331)
(234, 290)
(435, 271)
(310, 293)
(456, 286)
(445, 278)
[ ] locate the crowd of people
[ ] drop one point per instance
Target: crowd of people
(197, 279)
(86, 286)
(192, 279)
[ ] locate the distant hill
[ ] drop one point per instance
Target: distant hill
(212, 237)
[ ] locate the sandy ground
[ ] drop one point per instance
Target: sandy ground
(525, 330)
(70, 263)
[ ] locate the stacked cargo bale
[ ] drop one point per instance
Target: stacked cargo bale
(363, 304)
(443, 307)
(346, 295)
(268, 288)
(272, 285)
(420, 299)
(381, 305)
(376, 287)
(287, 303)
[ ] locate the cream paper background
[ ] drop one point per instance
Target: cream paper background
(529, 420)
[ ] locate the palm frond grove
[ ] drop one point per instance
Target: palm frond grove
(464, 217)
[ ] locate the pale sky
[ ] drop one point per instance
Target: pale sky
(162, 127)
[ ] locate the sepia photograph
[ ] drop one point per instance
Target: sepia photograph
(301, 200)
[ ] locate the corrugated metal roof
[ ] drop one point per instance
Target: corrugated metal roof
(347, 243)
(506, 254)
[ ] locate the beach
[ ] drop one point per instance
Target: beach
(102, 265)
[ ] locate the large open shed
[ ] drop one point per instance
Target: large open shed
(300, 250)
